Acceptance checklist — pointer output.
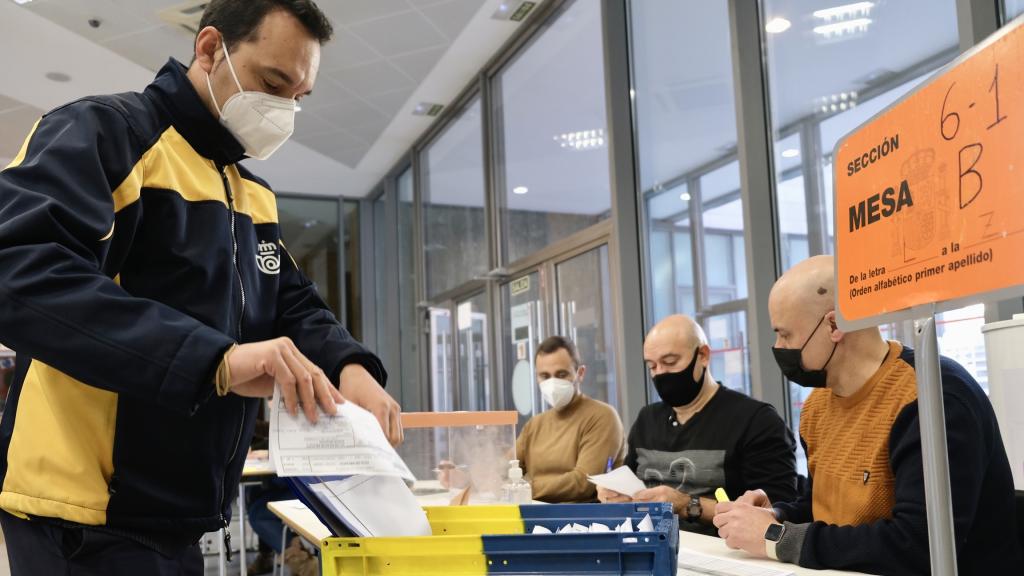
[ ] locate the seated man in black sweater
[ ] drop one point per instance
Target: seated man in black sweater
(702, 436)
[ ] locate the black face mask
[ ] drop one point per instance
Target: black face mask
(790, 361)
(680, 388)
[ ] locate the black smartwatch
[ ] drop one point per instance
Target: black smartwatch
(694, 509)
(772, 536)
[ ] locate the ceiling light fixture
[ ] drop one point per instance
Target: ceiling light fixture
(790, 153)
(777, 25)
(584, 140)
(520, 190)
(21, 2)
(840, 29)
(685, 196)
(845, 11)
(58, 77)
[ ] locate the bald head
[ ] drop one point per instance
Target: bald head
(804, 294)
(670, 345)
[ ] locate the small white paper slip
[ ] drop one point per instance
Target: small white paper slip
(580, 528)
(645, 525)
(626, 526)
(596, 527)
(621, 480)
(565, 529)
(348, 444)
(540, 530)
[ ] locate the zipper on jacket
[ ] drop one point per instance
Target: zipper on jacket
(241, 424)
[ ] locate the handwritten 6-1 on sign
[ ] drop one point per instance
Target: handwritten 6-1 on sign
(929, 194)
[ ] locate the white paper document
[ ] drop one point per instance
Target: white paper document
(691, 562)
(347, 444)
(621, 480)
(374, 506)
(645, 524)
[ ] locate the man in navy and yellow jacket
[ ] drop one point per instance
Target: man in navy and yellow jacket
(146, 290)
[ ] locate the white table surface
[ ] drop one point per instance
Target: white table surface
(711, 546)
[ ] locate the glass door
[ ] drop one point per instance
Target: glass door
(473, 357)
(583, 297)
(523, 328)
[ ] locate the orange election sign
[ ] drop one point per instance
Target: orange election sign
(929, 194)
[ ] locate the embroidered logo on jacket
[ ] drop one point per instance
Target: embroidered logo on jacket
(267, 258)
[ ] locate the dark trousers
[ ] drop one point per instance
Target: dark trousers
(37, 548)
(264, 523)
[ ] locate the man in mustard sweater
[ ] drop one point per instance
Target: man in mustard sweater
(863, 507)
(577, 437)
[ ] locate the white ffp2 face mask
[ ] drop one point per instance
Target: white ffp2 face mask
(260, 122)
(557, 392)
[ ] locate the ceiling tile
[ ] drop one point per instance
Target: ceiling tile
(326, 92)
(8, 103)
(390, 103)
(346, 12)
(344, 51)
(14, 128)
(75, 16)
(370, 79)
(339, 146)
(369, 128)
(418, 64)
(153, 47)
(309, 123)
(451, 17)
(421, 3)
(398, 34)
(330, 140)
(348, 113)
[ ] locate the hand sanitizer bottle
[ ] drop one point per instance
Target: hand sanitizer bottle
(516, 490)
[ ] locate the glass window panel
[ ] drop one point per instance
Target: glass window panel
(960, 338)
(825, 85)
(407, 332)
(474, 359)
(309, 228)
(353, 271)
(727, 336)
(685, 107)
(442, 377)
(663, 284)
(553, 125)
(380, 266)
(1012, 9)
(585, 316)
(453, 204)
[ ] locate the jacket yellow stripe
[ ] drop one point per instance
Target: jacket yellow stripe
(172, 164)
(24, 148)
(60, 458)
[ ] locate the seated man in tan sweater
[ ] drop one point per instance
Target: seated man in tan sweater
(577, 437)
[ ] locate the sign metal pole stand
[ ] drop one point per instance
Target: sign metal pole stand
(938, 496)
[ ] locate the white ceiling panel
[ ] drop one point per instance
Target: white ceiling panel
(390, 103)
(417, 65)
(8, 103)
(326, 92)
(151, 48)
(309, 123)
(351, 11)
(344, 51)
(399, 34)
(15, 125)
(373, 78)
(114, 20)
(451, 17)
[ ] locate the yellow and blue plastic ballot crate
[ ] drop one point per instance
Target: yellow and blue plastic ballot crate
(477, 540)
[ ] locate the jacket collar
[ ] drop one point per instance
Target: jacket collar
(174, 91)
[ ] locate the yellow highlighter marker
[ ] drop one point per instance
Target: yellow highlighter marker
(721, 496)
